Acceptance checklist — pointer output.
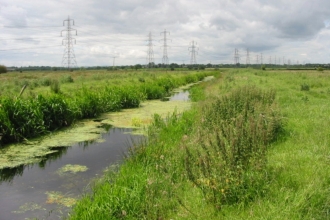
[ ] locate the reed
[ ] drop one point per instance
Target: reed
(34, 115)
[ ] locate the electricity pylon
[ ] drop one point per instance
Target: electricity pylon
(247, 56)
(165, 57)
(150, 52)
(236, 57)
(113, 63)
(257, 60)
(192, 51)
(69, 59)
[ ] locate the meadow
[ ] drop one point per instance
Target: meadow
(254, 146)
(35, 103)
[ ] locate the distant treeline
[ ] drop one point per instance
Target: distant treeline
(173, 66)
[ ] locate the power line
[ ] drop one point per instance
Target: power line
(69, 58)
(18, 26)
(192, 51)
(28, 48)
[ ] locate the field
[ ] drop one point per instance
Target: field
(52, 100)
(256, 146)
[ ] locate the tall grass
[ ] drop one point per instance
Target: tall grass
(224, 158)
(228, 159)
(36, 115)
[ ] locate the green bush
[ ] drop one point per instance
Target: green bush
(3, 69)
(45, 82)
(55, 86)
(320, 69)
(228, 158)
(66, 79)
(304, 87)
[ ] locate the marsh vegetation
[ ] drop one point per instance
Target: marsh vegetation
(51, 101)
(252, 148)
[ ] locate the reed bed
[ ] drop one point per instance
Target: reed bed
(38, 114)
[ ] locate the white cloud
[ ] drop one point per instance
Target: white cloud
(272, 27)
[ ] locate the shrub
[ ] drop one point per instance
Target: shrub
(320, 68)
(55, 86)
(66, 79)
(227, 159)
(45, 82)
(304, 87)
(3, 69)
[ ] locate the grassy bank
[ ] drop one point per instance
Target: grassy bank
(40, 111)
(256, 147)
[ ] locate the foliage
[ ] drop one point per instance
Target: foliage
(320, 69)
(55, 87)
(204, 161)
(36, 115)
(229, 159)
(289, 182)
(3, 69)
(45, 81)
(304, 87)
(66, 79)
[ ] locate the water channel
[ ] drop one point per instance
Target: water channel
(49, 188)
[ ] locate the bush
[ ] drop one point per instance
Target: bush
(320, 68)
(45, 82)
(304, 87)
(263, 67)
(55, 86)
(3, 69)
(66, 79)
(227, 159)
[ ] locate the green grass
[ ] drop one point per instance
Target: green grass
(241, 153)
(66, 100)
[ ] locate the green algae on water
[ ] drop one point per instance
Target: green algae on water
(29, 206)
(71, 169)
(35, 150)
(55, 197)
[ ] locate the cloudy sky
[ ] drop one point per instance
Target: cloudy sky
(299, 30)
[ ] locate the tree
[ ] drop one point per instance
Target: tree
(138, 66)
(3, 69)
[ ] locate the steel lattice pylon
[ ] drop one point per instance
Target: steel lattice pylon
(69, 58)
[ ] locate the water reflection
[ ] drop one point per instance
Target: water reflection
(8, 174)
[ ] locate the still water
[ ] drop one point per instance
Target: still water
(49, 189)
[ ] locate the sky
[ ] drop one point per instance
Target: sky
(295, 30)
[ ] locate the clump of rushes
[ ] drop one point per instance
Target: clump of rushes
(227, 160)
